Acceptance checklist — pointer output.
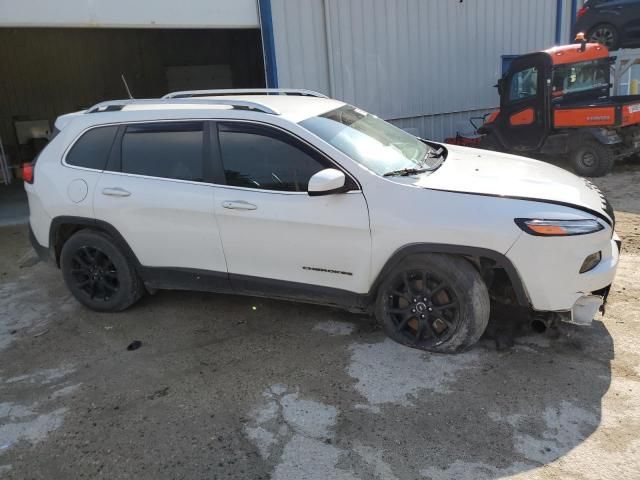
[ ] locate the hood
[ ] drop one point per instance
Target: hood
(469, 170)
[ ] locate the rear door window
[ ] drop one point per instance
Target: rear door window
(92, 148)
(167, 150)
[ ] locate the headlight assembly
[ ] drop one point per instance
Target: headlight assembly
(558, 228)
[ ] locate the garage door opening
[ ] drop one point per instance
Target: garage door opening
(51, 71)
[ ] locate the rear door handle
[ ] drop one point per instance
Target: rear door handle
(116, 192)
(238, 205)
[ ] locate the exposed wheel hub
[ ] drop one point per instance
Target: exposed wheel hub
(588, 159)
(423, 308)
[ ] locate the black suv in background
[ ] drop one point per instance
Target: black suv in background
(614, 23)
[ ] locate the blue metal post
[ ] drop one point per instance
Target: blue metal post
(559, 8)
(574, 12)
(268, 43)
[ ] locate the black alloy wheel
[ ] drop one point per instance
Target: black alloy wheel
(434, 302)
(423, 308)
(98, 272)
(94, 273)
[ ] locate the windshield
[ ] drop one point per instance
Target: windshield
(579, 77)
(370, 141)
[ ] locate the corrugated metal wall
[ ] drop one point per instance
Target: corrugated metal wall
(301, 44)
(422, 63)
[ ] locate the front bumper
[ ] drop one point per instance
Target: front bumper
(549, 269)
(585, 309)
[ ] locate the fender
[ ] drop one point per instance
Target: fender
(418, 248)
(563, 142)
(603, 135)
(58, 222)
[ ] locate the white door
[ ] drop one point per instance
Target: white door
(157, 198)
(272, 229)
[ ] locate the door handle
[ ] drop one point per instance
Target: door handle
(116, 192)
(238, 205)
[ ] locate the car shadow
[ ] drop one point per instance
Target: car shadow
(490, 412)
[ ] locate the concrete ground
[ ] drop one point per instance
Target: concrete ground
(236, 387)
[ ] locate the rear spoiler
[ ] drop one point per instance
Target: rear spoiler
(63, 120)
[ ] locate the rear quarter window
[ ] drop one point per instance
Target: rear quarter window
(92, 149)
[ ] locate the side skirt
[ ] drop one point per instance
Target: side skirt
(220, 282)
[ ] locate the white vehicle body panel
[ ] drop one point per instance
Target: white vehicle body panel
(297, 238)
(491, 173)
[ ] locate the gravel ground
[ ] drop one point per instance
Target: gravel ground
(236, 387)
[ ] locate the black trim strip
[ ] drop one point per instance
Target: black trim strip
(530, 199)
(299, 292)
(185, 279)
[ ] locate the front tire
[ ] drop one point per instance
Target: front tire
(592, 159)
(434, 302)
(98, 274)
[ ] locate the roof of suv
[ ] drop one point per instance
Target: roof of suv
(294, 108)
(293, 105)
(290, 104)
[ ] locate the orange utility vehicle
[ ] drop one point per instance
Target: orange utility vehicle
(557, 103)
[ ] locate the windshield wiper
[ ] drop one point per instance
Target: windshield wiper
(405, 172)
(433, 153)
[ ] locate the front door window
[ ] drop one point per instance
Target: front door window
(524, 84)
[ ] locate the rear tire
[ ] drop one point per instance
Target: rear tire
(605, 34)
(434, 302)
(98, 274)
(591, 159)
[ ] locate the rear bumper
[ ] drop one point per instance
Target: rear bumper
(43, 252)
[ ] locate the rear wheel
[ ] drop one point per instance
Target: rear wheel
(434, 302)
(98, 274)
(592, 159)
(605, 34)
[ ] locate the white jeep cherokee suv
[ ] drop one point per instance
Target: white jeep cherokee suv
(289, 194)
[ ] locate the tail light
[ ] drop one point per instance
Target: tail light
(27, 172)
(581, 12)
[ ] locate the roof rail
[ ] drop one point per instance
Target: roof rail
(245, 91)
(116, 105)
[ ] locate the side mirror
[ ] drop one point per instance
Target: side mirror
(500, 86)
(326, 182)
